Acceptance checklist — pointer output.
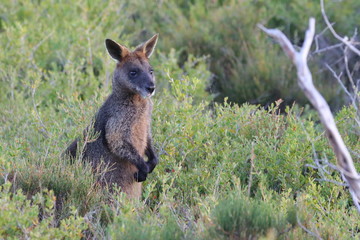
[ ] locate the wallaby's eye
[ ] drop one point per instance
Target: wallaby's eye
(151, 71)
(133, 73)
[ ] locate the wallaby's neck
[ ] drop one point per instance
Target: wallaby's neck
(123, 95)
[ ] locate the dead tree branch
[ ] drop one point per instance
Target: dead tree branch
(299, 58)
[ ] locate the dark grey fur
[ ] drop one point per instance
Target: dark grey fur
(123, 121)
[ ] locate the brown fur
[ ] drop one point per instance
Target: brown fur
(124, 122)
(141, 127)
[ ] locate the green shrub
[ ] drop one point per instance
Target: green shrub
(238, 217)
(133, 221)
(19, 217)
(141, 229)
(187, 135)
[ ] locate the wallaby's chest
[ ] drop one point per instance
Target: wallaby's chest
(129, 122)
(139, 130)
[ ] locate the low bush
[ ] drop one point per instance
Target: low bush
(242, 218)
(35, 218)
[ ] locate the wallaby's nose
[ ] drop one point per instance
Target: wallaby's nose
(150, 89)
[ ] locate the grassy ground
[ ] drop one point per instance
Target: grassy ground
(226, 171)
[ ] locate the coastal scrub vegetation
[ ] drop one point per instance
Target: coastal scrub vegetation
(236, 153)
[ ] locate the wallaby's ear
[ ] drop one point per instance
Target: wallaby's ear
(148, 47)
(115, 50)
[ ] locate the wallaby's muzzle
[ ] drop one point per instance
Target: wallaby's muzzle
(147, 91)
(151, 90)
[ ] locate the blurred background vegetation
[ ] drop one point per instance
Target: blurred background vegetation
(228, 169)
(245, 65)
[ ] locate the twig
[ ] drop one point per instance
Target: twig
(305, 82)
(89, 48)
(338, 78)
(43, 129)
(316, 39)
(337, 36)
(332, 181)
(252, 158)
(317, 51)
(35, 48)
(349, 74)
(353, 97)
(307, 230)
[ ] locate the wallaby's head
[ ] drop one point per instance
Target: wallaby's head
(133, 72)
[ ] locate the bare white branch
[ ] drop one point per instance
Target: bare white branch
(299, 58)
(284, 43)
(309, 36)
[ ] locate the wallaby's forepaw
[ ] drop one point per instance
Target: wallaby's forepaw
(152, 164)
(140, 176)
